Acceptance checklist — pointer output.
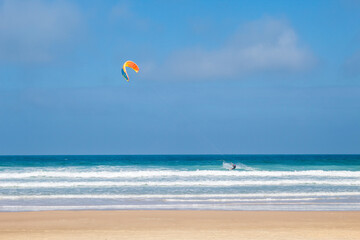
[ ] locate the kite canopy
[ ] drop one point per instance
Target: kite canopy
(129, 64)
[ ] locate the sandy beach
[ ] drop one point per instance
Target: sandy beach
(179, 225)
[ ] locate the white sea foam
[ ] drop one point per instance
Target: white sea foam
(180, 196)
(171, 173)
(243, 200)
(65, 184)
(303, 206)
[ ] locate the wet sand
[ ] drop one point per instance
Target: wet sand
(180, 225)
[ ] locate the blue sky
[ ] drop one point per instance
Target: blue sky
(218, 77)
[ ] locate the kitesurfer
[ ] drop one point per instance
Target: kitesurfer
(233, 166)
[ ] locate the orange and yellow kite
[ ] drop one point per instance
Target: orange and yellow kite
(129, 64)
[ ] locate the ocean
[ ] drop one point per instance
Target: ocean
(196, 182)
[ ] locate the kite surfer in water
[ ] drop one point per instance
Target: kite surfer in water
(229, 166)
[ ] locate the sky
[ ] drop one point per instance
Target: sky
(216, 77)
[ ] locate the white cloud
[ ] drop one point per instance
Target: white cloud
(267, 45)
(31, 31)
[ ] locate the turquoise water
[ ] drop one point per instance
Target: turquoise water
(260, 182)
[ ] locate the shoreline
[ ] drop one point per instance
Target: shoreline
(180, 224)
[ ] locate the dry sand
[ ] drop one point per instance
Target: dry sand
(179, 225)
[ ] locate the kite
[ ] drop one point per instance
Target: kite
(129, 64)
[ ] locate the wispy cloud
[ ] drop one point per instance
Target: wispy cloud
(266, 45)
(31, 31)
(123, 12)
(351, 66)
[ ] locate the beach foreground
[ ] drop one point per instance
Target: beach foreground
(154, 224)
